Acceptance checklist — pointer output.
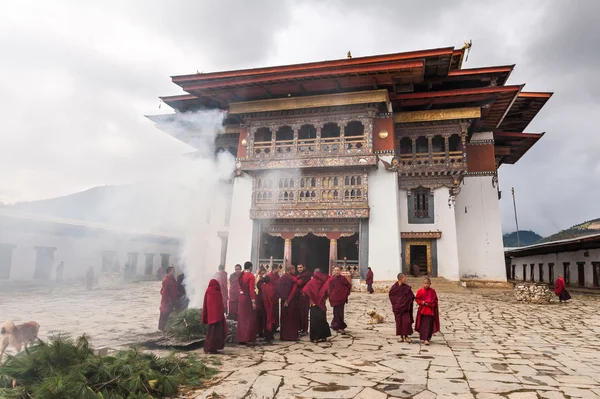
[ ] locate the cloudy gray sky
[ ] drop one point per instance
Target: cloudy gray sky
(77, 77)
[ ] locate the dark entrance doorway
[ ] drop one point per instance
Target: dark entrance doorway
(418, 256)
(44, 261)
(596, 274)
(581, 273)
(149, 264)
(5, 260)
(311, 251)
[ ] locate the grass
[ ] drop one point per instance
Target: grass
(64, 368)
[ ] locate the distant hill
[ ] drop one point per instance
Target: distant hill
(526, 237)
(582, 229)
(155, 207)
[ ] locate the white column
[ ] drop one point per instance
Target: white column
(384, 229)
(239, 242)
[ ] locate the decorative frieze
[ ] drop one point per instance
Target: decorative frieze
(296, 163)
(438, 115)
(360, 213)
(430, 235)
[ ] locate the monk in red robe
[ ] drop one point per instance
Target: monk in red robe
(234, 292)
(246, 328)
(266, 293)
(168, 299)
(221, 277)
(303, 275)
(290, 316)
(369, 280)
(213, 314)
(339, 291)
(428, 315)
(274, 277)
(316, 292)
(560, 290)
(402, 299)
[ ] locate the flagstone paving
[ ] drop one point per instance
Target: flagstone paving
(490, 347)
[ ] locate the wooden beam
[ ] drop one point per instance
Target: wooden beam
(502, 150)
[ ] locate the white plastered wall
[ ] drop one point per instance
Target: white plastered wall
(384, 232)
(444, 221)
(479, 230)
(239, 245)
(558, 259)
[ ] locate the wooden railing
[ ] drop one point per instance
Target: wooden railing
(328, 145)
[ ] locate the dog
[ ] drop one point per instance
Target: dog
(17, 336)
(376, 318)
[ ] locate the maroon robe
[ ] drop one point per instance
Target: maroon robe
(290, 317)
(339, 290)
(234, 293)
(221, 277)
(303, 301)
(267, 295)
(213, 314)
(274, 277)
(428, 316)
(402, 299)
(316, 290)
(246, 328)
(560, 291)
(369, 281)
(168, 300)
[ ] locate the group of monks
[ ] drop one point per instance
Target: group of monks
(428, 316)
(268, 302)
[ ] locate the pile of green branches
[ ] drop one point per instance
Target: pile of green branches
(63, 368)
(186, 325)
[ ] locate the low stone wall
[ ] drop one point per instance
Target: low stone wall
(378, 286)
(473, 283)
(533, 293)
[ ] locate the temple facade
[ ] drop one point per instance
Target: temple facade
(387, 161)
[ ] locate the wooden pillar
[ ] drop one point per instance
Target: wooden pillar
(333, 249)
(447, 148)
(287, 249)
(430, 148)
(414, 149)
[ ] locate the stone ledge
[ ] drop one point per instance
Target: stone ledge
(533, 293)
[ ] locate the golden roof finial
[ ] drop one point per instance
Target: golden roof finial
(349, 54)
(467, 47)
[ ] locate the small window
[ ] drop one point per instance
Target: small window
(420, 206)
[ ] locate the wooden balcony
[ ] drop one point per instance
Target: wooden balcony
(308, 147)
(446, 162)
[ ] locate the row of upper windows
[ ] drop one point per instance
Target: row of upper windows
(308, 132)
(329, 181)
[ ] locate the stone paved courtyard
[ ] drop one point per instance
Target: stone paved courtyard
(489, 347)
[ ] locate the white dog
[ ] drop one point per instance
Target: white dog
(17, 336)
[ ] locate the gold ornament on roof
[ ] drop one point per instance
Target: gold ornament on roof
(349, 54)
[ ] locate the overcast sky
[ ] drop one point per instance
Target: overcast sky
(77, 77)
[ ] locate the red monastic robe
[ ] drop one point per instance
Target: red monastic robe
(213, 314)
(428, 296)
(234, 293)
(402, 297)
(303, 303)
(221, 277)
(168, 294)
(275, 277)
(247, 324)
(369, 277)
(290, 317)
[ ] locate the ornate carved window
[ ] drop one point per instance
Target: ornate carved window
(420, 206)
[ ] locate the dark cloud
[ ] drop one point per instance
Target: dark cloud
(78, 76)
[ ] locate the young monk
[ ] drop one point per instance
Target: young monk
(168, 297)
(339, 291)
(303, 275)
(428, 317)
(290, 317)
(402, 299)
(266, 293)
(369, 280)
(316, 292)
(234, 292)
(274, 277)
(560, 290)
(221, 277)
(213, 314)
(246, 328)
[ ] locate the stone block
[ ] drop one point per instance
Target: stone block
(533, 293)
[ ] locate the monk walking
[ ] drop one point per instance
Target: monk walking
(266, 293)
(246, 328)
(303, 275)
(402, 299)
(213, 314)
(369, 280)
(221, 277)
(339, 291)
(234, 292)
(274, 277)
(168, 299)
(316, 291)
(428, 316)
(290, 317)
(560, 289)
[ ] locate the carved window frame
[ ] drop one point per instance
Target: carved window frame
(412, 197)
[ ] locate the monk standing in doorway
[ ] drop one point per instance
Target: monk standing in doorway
(316, 291)
(428, 316)
(339, 291)
(402, 299)
(234, 292)
(168, 298)
(303, 275)
(369, 280)
(560, 289)
(221, 277)
(213, 314)
(274, 277)
(246, 328)
(290, 317)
